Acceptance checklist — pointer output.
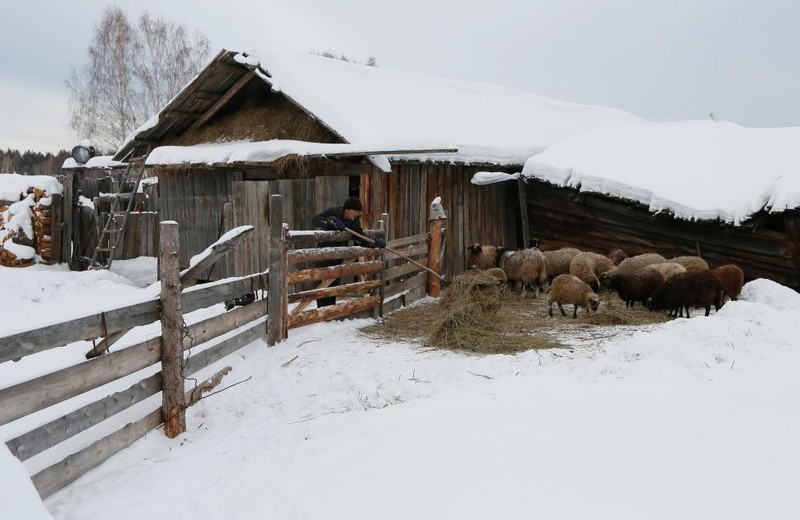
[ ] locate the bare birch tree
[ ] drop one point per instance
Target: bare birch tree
(131, 73)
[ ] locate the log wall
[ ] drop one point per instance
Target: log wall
(564, 217)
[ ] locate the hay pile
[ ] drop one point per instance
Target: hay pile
(466, 318)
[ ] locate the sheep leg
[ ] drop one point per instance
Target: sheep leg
(708, 310)
(562, 310)
(575, 311)
(550, 310)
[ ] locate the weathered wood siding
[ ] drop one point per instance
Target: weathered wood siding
(485, 214)
(561, 217)
(195, 199)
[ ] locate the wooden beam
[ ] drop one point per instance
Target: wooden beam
(332, 312)
(222, 101)
(180, 114)
(276, 324)
(59, 475)
(189, 276)
(338, 290)
(173, 405)
(335, 271)
(338, 253)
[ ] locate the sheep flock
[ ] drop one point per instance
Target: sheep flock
(570, 276)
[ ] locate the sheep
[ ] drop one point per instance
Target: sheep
(689, 289)
(526, 266)
(617, 255)
(667, 269)
(558, 260)
(691, 263)
(631, 265)
(482, 256)
(640, 285)
(587, 266)
(732, 279)
(567, 288)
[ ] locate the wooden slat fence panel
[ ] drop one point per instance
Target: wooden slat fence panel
(99, 325)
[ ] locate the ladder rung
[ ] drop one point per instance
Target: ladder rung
(105, 249)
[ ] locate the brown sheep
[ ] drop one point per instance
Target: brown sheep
(558, 261)
(526, 266)
(631, 265)
(691, 263)
(588, 266)
(617, 255)
(569, 289)
(689, 289)
(482, 257)
(732, 279)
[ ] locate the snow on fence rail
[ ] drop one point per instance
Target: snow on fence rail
(400, 284)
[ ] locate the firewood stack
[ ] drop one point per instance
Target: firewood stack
(37, 206)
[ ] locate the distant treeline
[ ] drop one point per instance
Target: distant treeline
(31, 163)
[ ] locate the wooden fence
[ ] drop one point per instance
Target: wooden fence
(380, 284)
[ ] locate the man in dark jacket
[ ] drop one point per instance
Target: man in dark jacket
(337, 219)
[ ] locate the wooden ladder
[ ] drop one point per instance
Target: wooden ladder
(114, 228)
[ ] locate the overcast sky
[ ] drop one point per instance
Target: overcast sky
(663, 60)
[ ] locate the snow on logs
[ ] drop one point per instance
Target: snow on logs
(26, 229)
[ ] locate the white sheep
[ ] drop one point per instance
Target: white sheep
(526, 266)
(569, 289)
(558, 261)
(588, 266)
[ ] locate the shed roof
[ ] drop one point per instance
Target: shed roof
(701, 170)
(487, 123)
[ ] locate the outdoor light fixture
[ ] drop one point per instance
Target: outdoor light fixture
(83, 152)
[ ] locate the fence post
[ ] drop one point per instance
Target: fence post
(383, 225)
(436, 218)
(173, 407)
(277, 297)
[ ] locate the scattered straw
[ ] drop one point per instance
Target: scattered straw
(476, 316)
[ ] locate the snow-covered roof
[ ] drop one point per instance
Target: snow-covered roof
(100, 162)
(487, 123)
(262, 151)
(700, 170)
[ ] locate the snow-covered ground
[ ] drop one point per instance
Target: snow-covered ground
(695, 418)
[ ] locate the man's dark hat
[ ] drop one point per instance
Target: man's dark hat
(352, 203)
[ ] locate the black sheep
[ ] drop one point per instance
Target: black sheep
(690, 289)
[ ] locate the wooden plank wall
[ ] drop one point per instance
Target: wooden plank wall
(302, 199)
(561, 217)
(195, 199)
(485, 214)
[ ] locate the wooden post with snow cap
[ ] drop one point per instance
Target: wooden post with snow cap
(173, 406)
(436, 218)
(278, 287)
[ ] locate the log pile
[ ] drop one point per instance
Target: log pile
(26, 229)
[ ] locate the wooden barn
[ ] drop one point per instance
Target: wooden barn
(317, 130)
(727, 193)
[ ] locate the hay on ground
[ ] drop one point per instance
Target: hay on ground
(474, 318)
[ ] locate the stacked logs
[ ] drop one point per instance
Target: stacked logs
(37, 206)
